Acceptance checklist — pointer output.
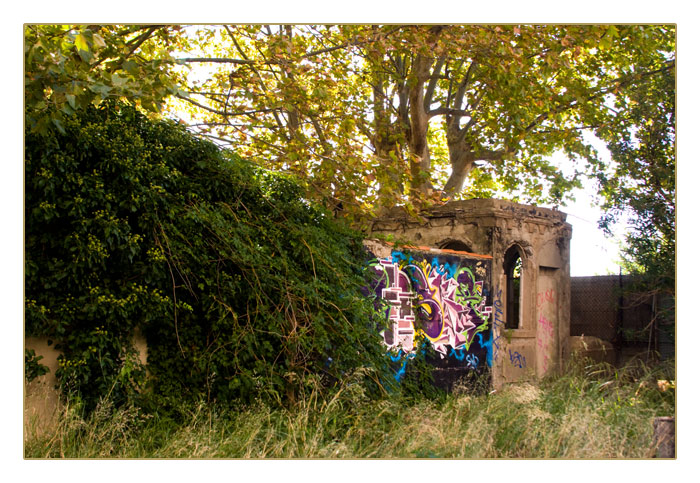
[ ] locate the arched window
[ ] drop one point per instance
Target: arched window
(513, 265)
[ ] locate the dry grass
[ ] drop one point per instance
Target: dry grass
(592, 412)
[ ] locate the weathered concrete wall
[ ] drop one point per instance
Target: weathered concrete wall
(540, 343)
(442, 296)
(40, 395)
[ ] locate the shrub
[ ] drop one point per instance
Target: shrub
(242, 288)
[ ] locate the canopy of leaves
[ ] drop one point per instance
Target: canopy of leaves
(241, 287)
(70, 67)
(371, 116)
(367, 116)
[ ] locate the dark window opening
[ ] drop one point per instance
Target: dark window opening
(456, 245)
(513, 265)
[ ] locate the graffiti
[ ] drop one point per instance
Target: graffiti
(546, 325)
(459, 355)
(398, 357)
(517, 359)
(545, 297)
(488, 345)
(472, 361)
(435, 298)
(544, 339)
(398, 295)
(498, 313)
(498, 323)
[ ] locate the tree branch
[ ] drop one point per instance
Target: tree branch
(221, 60)
(448, 112)
(462, 89)
(255, 70)
(138, 41)
(225, 113)
(615, 84)
(430, 89)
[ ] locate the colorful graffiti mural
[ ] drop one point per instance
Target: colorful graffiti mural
(437, 297)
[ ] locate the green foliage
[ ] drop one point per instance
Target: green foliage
(640, 184)
(643, 180)
(242, 288)
(32, 367)
(429, 101)
(68, 67)
(310, 99)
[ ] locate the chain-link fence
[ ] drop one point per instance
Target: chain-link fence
(602, 307)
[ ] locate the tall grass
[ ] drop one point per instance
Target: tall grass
(593, 411)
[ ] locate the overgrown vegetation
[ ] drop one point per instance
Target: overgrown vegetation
(242, 288)
(260, 341)
(641, 185)
(593, 411)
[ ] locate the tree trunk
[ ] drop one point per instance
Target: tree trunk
(461, 157)
(462, 162)
(384, 138)
(418, 142)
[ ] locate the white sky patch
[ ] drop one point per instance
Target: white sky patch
(592, 253)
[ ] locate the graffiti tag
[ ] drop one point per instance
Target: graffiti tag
(517, 359)
(544, 339)
(546, 297)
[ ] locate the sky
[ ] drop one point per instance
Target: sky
(591, 252)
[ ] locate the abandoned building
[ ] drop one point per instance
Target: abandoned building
(527, 292)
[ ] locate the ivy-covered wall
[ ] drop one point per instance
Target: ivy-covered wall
(241, 287)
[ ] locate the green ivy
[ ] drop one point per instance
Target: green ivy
(32, 367)
(241, 287)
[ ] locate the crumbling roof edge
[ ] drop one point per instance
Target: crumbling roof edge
(424, 248)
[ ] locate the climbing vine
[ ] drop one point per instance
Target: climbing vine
(241, 287)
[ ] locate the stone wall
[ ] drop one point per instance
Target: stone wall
(41, 400)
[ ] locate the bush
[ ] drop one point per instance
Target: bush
(241, 287)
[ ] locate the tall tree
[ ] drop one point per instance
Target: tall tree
(375, 115)
(641, 183)
(369, 116)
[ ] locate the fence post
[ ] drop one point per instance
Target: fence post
(665, 437)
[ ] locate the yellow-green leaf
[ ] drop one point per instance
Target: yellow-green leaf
(81, 43)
